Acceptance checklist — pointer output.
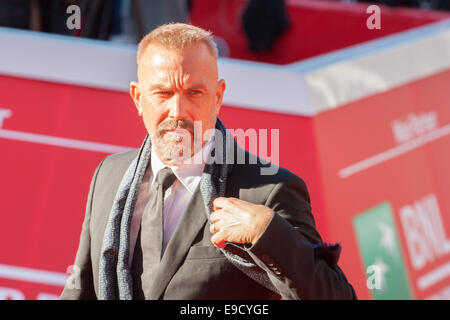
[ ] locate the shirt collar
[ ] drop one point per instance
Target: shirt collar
(188, 173)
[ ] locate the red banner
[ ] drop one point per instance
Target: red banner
(367, 128)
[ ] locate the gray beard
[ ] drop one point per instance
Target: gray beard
(176, 151)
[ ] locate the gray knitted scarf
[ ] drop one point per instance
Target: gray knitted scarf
(115, 279)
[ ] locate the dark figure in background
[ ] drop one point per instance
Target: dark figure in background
(51, 16)
(441, 4)
(100, 19)
(21, 14)
(263, 22)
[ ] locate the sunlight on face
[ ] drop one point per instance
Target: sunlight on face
(178, 91)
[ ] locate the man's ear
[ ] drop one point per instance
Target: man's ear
(135, 94)
(220, 90)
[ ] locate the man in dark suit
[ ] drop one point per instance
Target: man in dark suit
(183, 254)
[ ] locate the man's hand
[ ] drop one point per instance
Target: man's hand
(238, 221)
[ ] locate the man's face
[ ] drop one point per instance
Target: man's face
(177, 88)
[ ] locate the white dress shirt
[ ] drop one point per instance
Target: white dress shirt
(176, 198)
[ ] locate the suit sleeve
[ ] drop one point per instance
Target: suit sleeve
(291, 250)
(83, 287)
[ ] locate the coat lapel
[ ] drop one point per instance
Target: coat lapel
(192, 221)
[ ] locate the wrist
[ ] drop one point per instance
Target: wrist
(268, 216)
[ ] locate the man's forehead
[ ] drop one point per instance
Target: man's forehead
(160, 64)
(158, 55)
(165, 80)
(197, 47)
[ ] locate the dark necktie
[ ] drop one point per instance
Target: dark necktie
(147, 253)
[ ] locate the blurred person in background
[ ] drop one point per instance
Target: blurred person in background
(118, 20)
(22, 14)
(263, 22)
(128, 21)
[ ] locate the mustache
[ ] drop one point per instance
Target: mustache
(171, 124)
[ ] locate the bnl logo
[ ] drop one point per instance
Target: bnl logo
(378, 241)
(382, 254)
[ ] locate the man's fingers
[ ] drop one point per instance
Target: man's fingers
(222, 202)
(213, 228)
(216, 215)
(218, 225)
(218, 240)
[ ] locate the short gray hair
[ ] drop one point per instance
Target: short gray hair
(177, 36)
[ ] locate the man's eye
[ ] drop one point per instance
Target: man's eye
(195, 92)
(163, 93)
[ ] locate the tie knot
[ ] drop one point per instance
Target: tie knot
(165, 178)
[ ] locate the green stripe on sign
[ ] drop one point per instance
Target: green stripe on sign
(383, 258)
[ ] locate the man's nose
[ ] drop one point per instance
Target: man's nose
(177, 108)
